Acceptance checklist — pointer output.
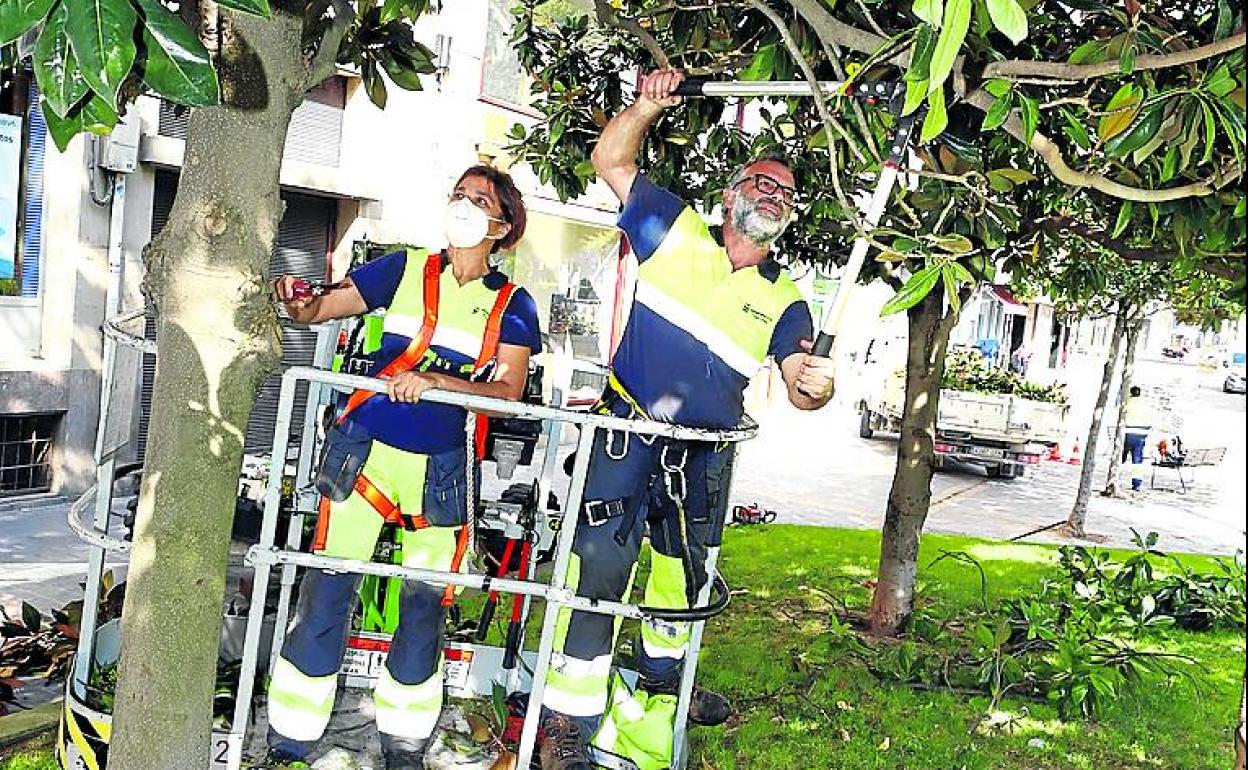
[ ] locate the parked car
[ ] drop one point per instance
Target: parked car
(1174, 352)
(1235, 381)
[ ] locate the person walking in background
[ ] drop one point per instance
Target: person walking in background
(1139, 418)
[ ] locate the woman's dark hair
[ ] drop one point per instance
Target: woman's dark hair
(509, 200)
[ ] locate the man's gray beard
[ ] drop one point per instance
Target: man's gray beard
(758, 226)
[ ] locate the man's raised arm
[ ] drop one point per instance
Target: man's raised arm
(615, 156)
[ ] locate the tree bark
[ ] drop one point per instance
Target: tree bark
(207, 278)
(1124, 389)
(1079, 512)
(911, 493)
(1241, 731)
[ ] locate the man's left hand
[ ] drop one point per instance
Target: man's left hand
(814, 375)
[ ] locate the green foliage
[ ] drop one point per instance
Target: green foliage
(92, 57)
(1081, 640)
(1148, 129)
(969, 371)
(817, 695)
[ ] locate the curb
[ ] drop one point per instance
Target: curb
(26, 724)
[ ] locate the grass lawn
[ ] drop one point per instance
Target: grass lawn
(35, 754)
(802, 704)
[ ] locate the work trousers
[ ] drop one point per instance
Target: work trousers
(1134, 444)
(408, 695)
(678, 489)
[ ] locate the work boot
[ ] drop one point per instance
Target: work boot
(707, 708)
(563, 745)
(403, 753)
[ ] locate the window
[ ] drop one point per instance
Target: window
(25, 452)
(22, 141)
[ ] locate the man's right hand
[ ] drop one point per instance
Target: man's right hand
(659, 86)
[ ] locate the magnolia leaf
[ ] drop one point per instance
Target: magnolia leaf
(102, 35)
(937, 118)
(56, 69)
(890, 256)
(1010, 18)
(178, 66)
(998, 87)
(762, 65)
(1029, 111)
(954, 244)
(1124, 106)
(913, 292)
(19, 16)
(1016, 175)
(1124, 219)
(957, 19)
(916, 92)
(929, 11)
(997, 114)
(951, 288)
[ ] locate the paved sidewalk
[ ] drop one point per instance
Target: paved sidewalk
(812, 468)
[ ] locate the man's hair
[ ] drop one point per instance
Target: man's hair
(509, 200)
(1135, 390)
(773, 154)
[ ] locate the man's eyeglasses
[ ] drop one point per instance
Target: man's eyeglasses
(769, 186)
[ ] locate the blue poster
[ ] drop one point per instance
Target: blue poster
(10, 184)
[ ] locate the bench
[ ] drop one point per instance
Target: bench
(1193, 458)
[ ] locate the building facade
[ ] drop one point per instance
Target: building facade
(350, 173)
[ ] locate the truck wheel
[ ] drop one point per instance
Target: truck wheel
(864, 426)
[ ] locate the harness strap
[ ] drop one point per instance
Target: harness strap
(387, 509)
(461, 547)
(420, 343)
(489, 351)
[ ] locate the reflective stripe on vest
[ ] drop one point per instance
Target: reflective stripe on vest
(689, 281)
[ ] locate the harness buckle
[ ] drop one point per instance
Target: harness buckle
(674, 473)
(599, 512)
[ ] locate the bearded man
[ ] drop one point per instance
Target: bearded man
(704, 319)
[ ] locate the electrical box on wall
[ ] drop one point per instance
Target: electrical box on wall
(119, 150)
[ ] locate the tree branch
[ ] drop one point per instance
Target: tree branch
(321, 65)
(825, 115)
(1015, 68)
(608, 18)
(1101, 238)
(1051, 154)
(831, 30)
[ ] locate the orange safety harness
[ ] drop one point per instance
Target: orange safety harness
(405, 361)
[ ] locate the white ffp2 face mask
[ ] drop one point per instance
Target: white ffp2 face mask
(464, 224)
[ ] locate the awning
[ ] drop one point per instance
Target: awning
(1008, 301)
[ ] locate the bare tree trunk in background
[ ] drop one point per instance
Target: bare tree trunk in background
(207, 278)
(1120, 429)
(1079, 512)
(911, 493)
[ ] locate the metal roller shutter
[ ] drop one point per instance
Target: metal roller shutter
(315, 133)
(302, 245)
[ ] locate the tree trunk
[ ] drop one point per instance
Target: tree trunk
(1241, 732)
(1079, 513)
(911, 493)
(1124, 390)
(207, 278)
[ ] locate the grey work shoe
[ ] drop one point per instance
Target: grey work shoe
(403, 753)
(563, 745)
(707, 708)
